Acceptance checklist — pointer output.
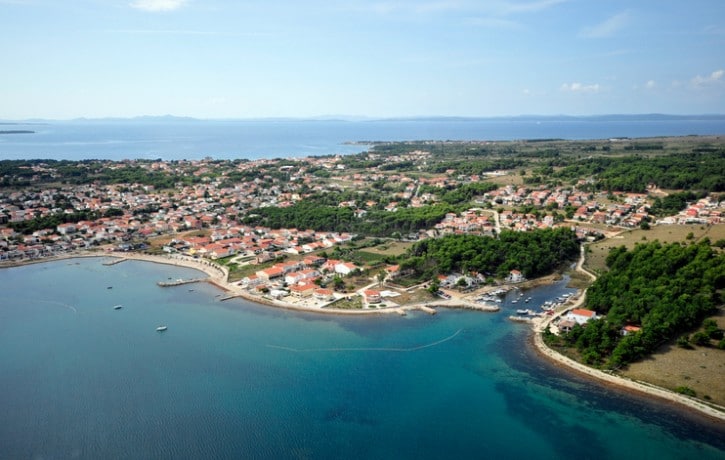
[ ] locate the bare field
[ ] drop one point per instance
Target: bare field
(392, 248)
(701, 369)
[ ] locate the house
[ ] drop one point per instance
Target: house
(345, 268)
(303, 289)
(393, 271)
(566, 325)
(581, 316)
(65, 229)
(270, 273)
(626, 330)
(250, 281)
(372, 296)
(515, 276)
(323, 294)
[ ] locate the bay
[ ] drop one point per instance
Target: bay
(249, 139)
(237, 380)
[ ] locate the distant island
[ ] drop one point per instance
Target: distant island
(17, 131)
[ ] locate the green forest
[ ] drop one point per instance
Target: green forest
(311, 215)
(667, 289)
(534, 253)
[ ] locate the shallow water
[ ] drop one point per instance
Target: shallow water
(237, 380)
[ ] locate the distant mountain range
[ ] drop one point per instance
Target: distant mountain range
(347, 118)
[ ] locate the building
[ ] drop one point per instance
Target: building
(581, 316)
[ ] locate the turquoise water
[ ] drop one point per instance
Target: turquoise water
(236, 380)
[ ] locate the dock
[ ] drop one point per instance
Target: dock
(521, 319)
(179, 282)
(229, 297)
(115, 261)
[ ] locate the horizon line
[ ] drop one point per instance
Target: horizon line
(169, 117)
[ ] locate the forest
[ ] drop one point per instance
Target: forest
(666, 289)
(688, 171)
(535, 253)
(311, 215)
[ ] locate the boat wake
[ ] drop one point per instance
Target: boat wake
(389, 349)
(64, 305)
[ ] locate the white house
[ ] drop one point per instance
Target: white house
(581, 316)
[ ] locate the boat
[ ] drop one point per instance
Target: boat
(161, 328)
(117, 307)
(522, 312)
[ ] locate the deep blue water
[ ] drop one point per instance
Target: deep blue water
(272, 139)
(237, 380)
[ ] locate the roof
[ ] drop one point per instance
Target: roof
(582, 312)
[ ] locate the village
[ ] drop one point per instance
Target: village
(204, 221)
(133, 212)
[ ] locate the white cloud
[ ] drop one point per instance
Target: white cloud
(157, 5)
(650, 84)
(580, 88)
(714, 77)
(608, 27)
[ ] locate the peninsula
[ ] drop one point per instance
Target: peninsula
(411, 225)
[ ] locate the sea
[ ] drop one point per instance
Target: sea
(182, 139)
(236, 380)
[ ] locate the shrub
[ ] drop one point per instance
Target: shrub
(687, 391)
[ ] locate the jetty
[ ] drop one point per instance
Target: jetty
(229, 297)
(465, 305)
(114, 261)
(521, 319)
(179, 282)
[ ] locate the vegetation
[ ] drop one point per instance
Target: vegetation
(308, 214)
(533, 253)
(667, 289)
(27, 227)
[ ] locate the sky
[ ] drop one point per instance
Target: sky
(388, 58)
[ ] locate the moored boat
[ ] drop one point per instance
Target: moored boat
(161, 328)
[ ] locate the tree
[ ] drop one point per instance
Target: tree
(338, 283)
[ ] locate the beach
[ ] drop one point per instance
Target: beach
(217, 276)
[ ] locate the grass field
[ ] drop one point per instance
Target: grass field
(701, 368)
(597, 252)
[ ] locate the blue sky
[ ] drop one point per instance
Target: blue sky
(242, 59)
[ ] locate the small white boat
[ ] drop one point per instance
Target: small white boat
(522, 312)
(117, 307)
(161, 328)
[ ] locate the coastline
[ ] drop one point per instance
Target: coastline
(712, 411)
(217, 277)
